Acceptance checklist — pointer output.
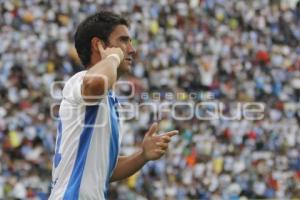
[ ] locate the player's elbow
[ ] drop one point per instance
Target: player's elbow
(93, 87)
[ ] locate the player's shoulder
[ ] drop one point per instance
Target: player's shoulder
(74, 80)
(77, 76)
(72, 87)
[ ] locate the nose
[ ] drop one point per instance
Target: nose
(130, 49)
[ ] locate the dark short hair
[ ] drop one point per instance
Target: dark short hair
(99, 25)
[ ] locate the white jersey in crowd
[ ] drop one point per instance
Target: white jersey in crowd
(87, 145)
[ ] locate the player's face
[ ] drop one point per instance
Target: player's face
(120, 38)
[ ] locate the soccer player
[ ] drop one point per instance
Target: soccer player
(88, 136)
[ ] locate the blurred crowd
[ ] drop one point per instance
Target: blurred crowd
(238, 51)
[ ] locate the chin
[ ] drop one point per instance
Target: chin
(124, 69)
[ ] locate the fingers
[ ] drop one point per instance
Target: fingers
(109, 50)
(171, 133)
(160, 151)
(100, 47)
(152, 129)
(166, 139)
(101, 50)
(162, 146)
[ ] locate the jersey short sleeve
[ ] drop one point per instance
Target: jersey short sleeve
(72, 90)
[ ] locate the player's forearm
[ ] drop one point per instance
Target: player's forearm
(100, 77)
(128, 165)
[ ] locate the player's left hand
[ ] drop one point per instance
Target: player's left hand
(155, 146)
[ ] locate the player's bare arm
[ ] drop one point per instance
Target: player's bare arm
(100, 77)
(153, 147)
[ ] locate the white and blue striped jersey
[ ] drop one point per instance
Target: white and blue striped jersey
(87, 145)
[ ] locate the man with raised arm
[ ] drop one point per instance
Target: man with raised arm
(88, 135)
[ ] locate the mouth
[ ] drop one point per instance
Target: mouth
(128, 60)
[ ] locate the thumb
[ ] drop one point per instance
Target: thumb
(100, 48)
(152, 129)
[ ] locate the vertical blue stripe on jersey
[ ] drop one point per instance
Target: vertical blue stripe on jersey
(114, 140)
(57, 155)
(72, 191)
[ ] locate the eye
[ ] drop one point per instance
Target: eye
(125, 39)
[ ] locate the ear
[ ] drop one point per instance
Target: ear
(94, 44)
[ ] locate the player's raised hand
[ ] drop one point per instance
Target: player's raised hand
(109, 51)
(155, 146)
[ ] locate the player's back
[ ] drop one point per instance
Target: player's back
(87, 145)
